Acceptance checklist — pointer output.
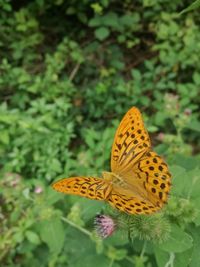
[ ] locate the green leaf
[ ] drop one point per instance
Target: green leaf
(116, 254)
(82, 249)
(195, 257)
(102, 33)
(194, 125)
(162, 257)
(186, 162)
(129, 20)
(178, 241)
(52, 233)
(97, 8)
(196, 78)
(52, 196)
(111, 20)
(196, 202)
(89, 208)
(4, 137)
(96, 21)
(179, 179)
(193, 184)
(186, 184)
(55, 165)
(178, 260)
(32, 237)
(183, 259)
(149, 3)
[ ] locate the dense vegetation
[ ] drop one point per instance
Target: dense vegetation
(69, 70)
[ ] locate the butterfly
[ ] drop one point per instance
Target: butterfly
(139, 181)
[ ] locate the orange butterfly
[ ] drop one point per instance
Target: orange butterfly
(139, 181)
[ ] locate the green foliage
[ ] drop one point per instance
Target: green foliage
(193, 6)
(69, 70)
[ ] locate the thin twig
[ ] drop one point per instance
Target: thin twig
(74, 71)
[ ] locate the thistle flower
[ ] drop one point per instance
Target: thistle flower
(104, 225)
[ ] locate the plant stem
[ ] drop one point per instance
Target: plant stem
(143, 249)
(83, 230)
(111, 263)
(170, 262)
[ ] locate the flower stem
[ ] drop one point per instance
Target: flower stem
(170, 262)
(111, 263)
(143, 249)
(83, 230)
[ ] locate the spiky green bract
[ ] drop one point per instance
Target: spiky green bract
(155, 228)
(181, 211)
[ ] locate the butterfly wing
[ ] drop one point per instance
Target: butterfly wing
(150, 192)
(153, 175)
(89, 187)
(130, 204)
(142, 170)
(130, 142)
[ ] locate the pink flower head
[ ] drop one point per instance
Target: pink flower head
(187, 111)
(161, 136)
(38, 190)
(104, 225)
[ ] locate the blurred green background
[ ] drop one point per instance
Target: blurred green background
(69, 70)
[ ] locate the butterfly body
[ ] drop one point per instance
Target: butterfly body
(113, 178)
(139, 180)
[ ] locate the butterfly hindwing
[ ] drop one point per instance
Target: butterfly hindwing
(130, 204)
(155, 176)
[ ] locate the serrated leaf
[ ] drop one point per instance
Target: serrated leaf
(183, 259)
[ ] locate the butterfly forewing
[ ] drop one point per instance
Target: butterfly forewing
(90, 187)
(130, 143)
